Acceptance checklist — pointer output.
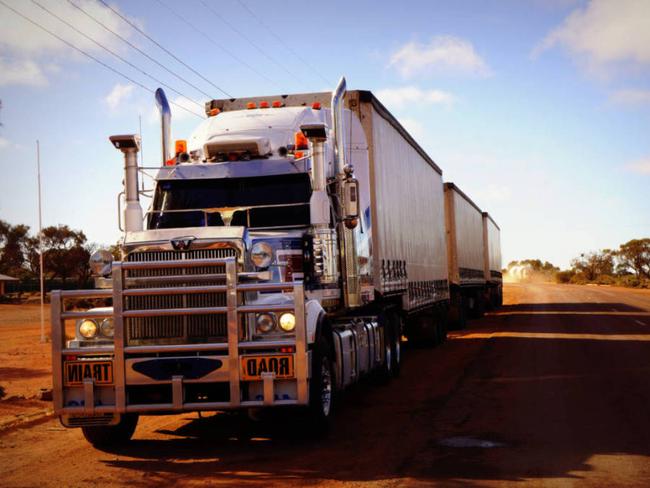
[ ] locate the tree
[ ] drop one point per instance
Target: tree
(66, 253)
(635, 255)
(594, 264)
(13, 239)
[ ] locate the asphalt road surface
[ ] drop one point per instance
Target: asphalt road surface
(553, 390)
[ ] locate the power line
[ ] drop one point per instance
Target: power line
(213, 41)
(107, 66)
(139, 50)
(116, 12)
(247, 39)
(115, 54)
(287, 46)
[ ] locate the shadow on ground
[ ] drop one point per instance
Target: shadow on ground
(549, 405)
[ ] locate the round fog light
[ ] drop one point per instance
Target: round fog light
(265, 322)
(88, 328)
(108, 327)
(287, 322)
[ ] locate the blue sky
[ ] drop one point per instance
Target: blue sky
(539, 110)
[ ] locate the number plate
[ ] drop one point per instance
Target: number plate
(252, 367)
(74, 372)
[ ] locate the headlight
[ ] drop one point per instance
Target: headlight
(100, 262)
(265, 322)
(88, 328)
(287, 322)
(262, 254)
(107, 327)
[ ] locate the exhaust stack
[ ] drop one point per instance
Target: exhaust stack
(165, 125)
(338, 96)
(130, 145)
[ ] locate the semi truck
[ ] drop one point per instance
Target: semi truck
(291, 244)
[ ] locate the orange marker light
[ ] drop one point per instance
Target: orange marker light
(298, 154)
(264, 104)
(251, 105)
(301, 141)
(181, 146)
(315, 105)
(277, 104)
(214, 111)
(170, 162)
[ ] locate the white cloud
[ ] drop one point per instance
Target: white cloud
(120, 93)
(21, 72)
(4, 142)
(35, 52)
(631, 97)
(445, 53)
(641, 166)
(604, 32)
(399, 97)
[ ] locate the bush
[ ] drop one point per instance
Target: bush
(564, 276)
(606, 280)
(629, 281)
(578, 279)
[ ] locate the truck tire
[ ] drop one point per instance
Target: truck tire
(397, 327)
(385, 371)
(112, 435)
(321, 389)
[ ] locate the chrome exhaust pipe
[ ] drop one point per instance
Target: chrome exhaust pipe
(338, 97)
(129, 145)
(165, 124)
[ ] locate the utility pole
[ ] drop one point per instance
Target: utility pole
(40, 240)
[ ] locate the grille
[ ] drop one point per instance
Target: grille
(178, 329)
(97, 420)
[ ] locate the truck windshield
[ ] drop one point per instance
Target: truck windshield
(259, 202)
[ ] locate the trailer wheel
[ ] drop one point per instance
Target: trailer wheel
(457, 314)
(112, 435)
(321, 389)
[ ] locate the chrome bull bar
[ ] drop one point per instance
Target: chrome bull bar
(234, 346)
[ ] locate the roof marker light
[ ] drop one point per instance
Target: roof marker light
(251, 105)
(277, 104)
(214, 111)
(264, 104)
(301, 140)
(180, 146)
(315, 105)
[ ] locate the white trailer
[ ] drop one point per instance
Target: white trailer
(465, 253)
(492, 260)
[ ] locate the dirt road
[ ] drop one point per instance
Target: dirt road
(553, 390)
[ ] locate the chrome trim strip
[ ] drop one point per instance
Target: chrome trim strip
(89, 396)
(175, 263)
(302, 365)
(177, 392)
(163, 312)
(58, 338)
(86, 315)
(233, 331)
(119, 340)
(269, 391)
(88, 350)
(137, 292)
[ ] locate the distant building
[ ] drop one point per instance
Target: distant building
(5, 279)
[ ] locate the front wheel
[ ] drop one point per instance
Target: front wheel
(321, 389)
(112, 435)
